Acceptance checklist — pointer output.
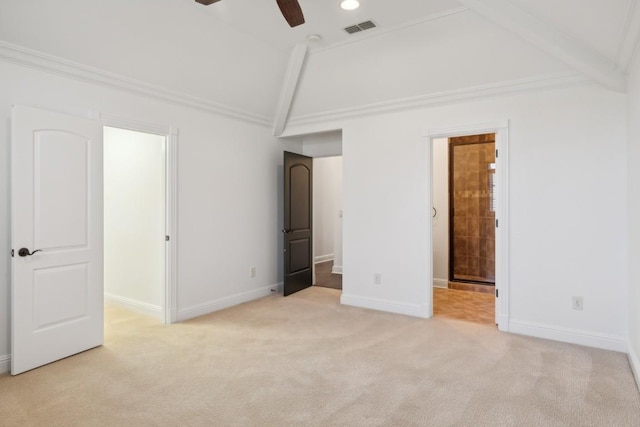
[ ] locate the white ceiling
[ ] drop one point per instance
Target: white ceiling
(262, 19)
(235, 53)
(600, 25)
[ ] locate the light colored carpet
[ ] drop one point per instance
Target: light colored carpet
(307, 360)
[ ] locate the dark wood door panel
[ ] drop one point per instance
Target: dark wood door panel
(300, 202)
(298, 223)
(299, 256)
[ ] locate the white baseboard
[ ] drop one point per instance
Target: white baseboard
(415, 310)
(336, 269)
(226, 302)
(572, 336)
(634, 362)
(135, 305)
(323, 258)
(5, 363)
(440, 283)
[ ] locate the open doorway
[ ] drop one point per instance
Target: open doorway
(327, 221)
(469, 221)
(136, 237)
(322, 151)
(463, 224)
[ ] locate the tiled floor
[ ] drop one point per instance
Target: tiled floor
(455, 304)
(464, 305)
(473, 287)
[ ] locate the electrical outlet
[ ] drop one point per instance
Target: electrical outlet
(252, 272)
(377, 279)
(577, 303)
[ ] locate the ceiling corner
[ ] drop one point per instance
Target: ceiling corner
(552, 40)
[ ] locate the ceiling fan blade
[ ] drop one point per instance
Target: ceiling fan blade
(207, 2)
(291, 11)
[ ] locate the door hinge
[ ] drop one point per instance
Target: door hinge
(497, 223)
(12, 253)
(166, 238)
(497, 293)
(496, 153)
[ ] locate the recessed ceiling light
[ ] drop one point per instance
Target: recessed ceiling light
(350, 4)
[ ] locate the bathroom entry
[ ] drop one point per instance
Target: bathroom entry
(469, 253)
(472, 165)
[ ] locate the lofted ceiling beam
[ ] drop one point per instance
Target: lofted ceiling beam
(294, 70)
(630, 44)
(552, 40)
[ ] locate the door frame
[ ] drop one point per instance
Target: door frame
(501, 130)
(169, 308)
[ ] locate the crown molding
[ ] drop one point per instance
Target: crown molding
(48, 63)
(442, 98)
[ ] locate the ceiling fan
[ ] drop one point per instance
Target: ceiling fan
(290, 10)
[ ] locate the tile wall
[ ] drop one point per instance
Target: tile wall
(473, 234)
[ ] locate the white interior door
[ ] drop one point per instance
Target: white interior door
(56, 195)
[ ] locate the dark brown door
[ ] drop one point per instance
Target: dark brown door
(298, 180)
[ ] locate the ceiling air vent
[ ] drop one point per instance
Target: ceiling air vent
(367, 25)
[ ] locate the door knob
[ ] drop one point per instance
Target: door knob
(25, 252)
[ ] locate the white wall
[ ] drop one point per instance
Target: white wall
(440, 197)
(134, 219)
(567, 209)
(327, 206)
(321, 144)
(228, 180)
(634, 215)
(568, 221)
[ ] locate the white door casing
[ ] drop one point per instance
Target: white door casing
(170, 309)
(501, 129)
(57, 208)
